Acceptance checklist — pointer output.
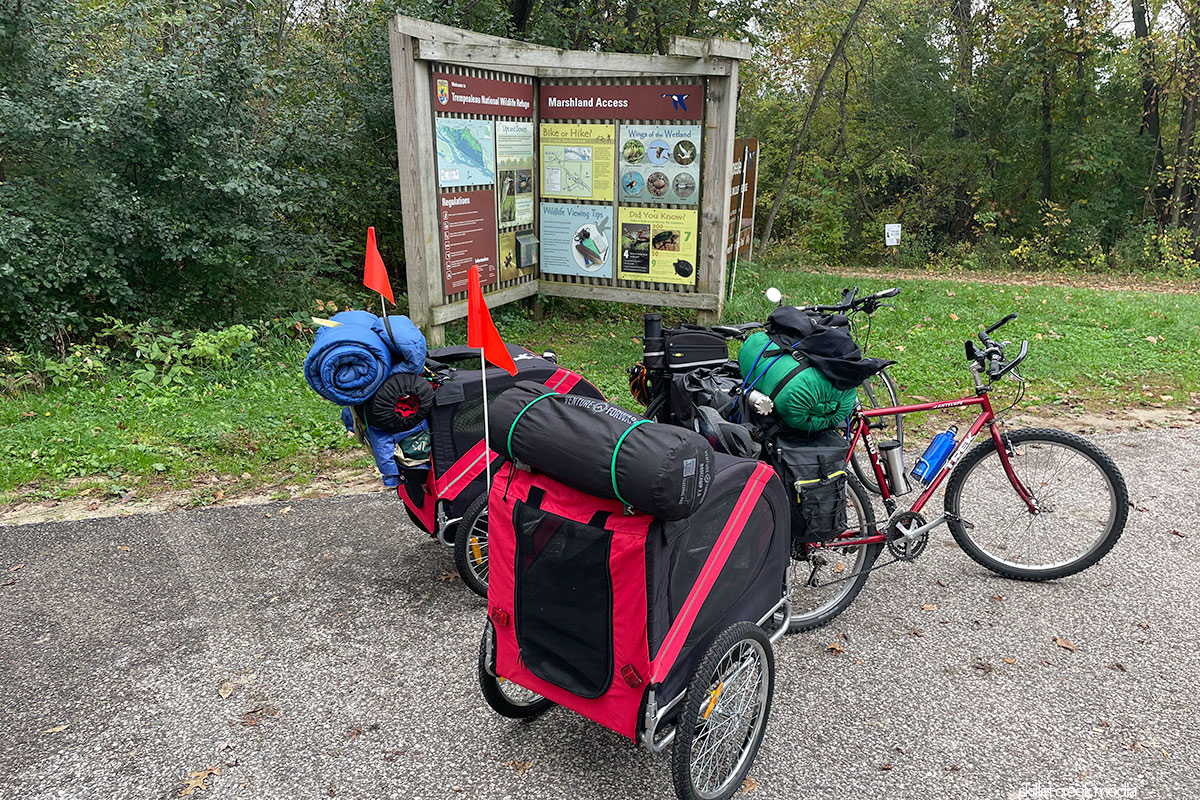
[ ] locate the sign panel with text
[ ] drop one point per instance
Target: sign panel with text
(468, 223)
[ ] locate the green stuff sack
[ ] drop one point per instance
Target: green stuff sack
(804, 398)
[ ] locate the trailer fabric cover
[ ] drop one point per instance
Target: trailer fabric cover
(582, 596)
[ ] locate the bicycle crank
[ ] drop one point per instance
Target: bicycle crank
(908, 534)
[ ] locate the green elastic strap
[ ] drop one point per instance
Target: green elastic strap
(612, 470)
(517, 418)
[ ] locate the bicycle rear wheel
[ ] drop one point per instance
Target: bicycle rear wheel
(1081, 500)
(877, 391)
(826, 583)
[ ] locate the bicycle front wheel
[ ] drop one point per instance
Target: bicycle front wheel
(877, 391)
(1080, 500)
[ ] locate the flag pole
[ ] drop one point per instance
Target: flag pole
(487, 438)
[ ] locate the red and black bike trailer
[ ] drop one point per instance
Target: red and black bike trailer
(450, 489)
(659, 629)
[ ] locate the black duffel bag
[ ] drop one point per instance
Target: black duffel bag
(813, 469)
(602, 449)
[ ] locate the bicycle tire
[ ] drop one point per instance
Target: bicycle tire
(865, 556)
(1028, 439)
(859, 461)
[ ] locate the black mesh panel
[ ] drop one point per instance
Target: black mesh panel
(564, 601)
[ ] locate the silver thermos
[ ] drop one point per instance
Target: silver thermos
(892, 455)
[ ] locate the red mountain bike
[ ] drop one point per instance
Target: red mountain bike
(1034, 504)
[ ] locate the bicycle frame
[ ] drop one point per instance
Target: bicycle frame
(860, 424)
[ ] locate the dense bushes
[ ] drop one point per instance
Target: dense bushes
(177, 164)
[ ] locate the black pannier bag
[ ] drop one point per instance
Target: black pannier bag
(813, 469)
(456, 423)
(684, 349)
(602, 449)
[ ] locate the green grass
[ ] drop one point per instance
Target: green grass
(1088, 348)
(260, 420)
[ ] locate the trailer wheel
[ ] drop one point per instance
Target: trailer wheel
(724, 714)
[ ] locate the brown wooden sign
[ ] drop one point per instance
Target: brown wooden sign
(468, 224)
(470, 95)
(745, 187)
(622, 102)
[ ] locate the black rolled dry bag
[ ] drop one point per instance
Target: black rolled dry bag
(602, 449)
(400, 403)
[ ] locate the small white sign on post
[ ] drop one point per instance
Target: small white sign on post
(891, 234)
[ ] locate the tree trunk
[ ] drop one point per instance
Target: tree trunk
(1183, 146)
(1150, 116)
(1047, 120)
(693, 15)
(1185, 180)
(798, 143)
(960, 225)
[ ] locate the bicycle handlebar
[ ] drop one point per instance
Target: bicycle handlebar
(991, 357)
(851, 302)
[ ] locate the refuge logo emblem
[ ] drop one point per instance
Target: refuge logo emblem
(443, 91)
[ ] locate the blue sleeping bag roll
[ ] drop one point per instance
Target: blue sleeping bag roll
(348, 362)
(406, 341)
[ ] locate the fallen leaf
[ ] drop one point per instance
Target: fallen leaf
(835, 648)
(1179, 533)
(520, 767)
(17, 567)
(195, 780)
(949, 293)
(954, 768)
(1046, 663)
(749, 785)
(1065, 644)
(1117, 666)
(56, 729)
(448, 576)
(954, 316)
(225, 689)
(354, 733)
(943, 584)
(916, 632)
(124, 548)
(220, 493)
(285, 510)
(1144, 625)
(997, 597)
(885, 767)
(1010, 660)
(983, 666)
(929, 607)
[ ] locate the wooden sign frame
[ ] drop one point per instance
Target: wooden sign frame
(419, 49)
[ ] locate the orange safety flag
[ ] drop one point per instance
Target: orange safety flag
(481, 331)
(375, 275)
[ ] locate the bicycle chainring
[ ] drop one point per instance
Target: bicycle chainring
(896, 527)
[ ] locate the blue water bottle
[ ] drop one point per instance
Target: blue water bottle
(931, 461)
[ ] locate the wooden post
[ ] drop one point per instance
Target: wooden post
(720, 117)
(413, 106)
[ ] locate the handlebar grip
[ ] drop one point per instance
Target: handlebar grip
(887, 293)
(1004, 321)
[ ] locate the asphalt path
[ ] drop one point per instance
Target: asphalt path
(323, 648)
